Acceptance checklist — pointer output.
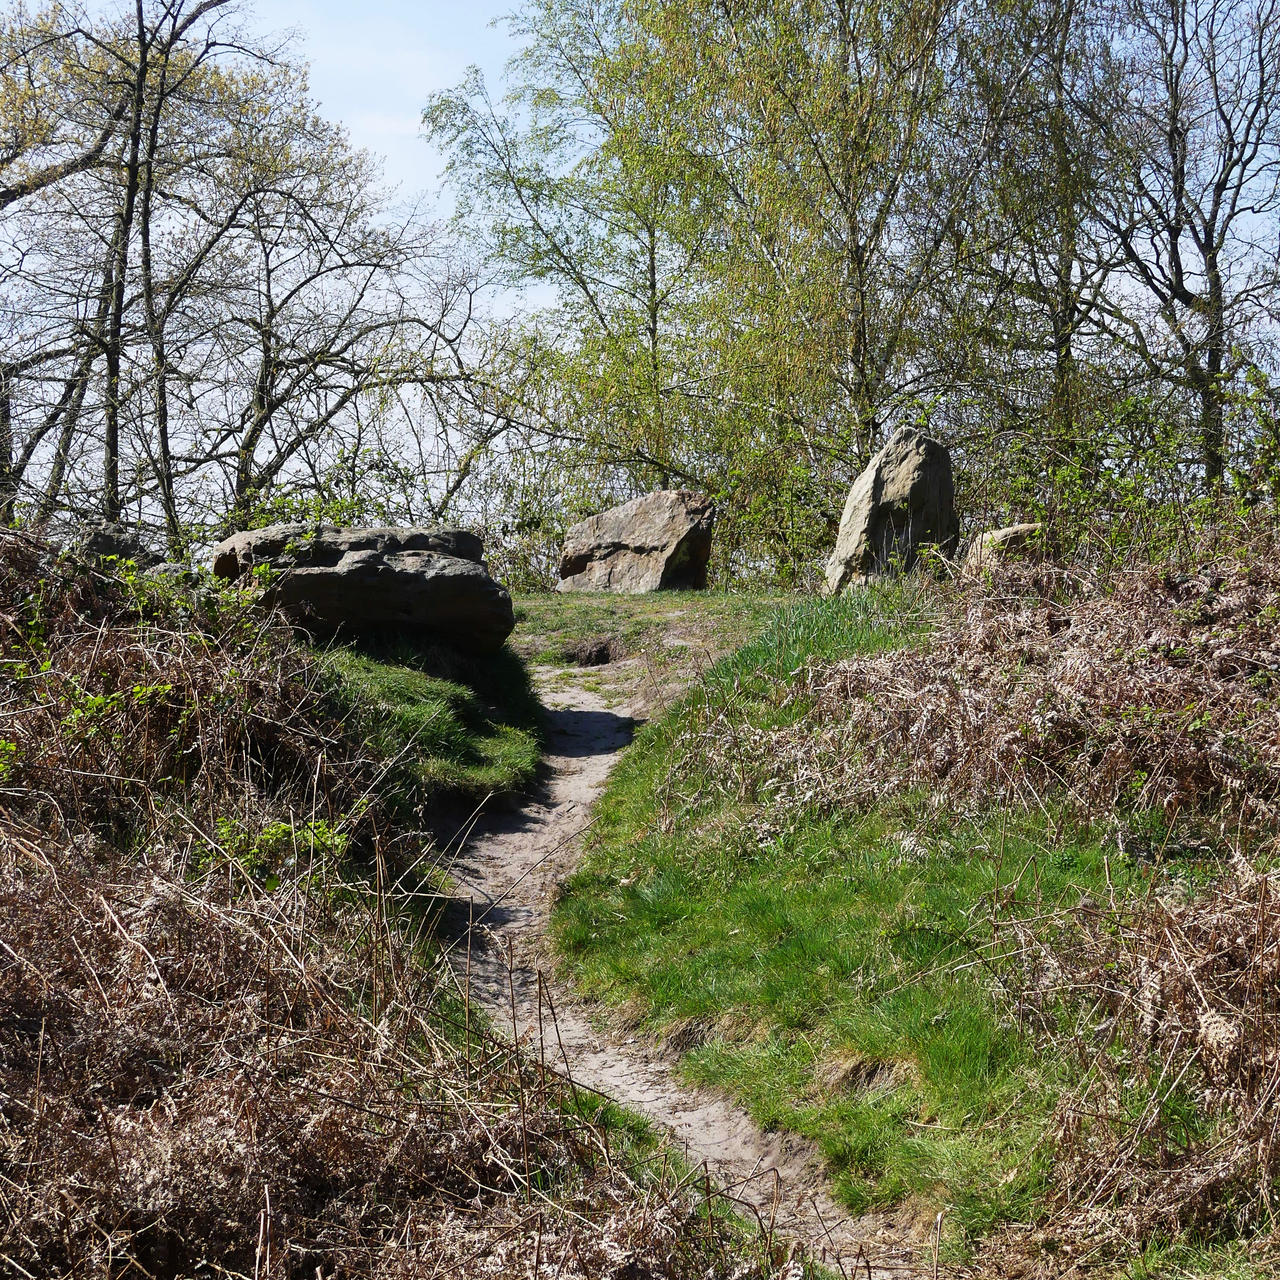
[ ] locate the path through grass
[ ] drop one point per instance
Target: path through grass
(552, 628)
(838, 973)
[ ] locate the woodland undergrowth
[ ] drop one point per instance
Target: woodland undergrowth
(224, 1050)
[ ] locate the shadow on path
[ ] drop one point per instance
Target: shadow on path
(508, 874)
(575, 733)
(487, 905)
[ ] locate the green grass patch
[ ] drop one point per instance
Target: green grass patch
(1197, 1260)
(838, 974)
(550, 626)
(461, 729)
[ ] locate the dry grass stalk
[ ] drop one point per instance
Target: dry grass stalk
(1158, 694)
(188, 1079)
(1171, 1013)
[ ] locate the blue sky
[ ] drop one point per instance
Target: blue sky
(374, 63)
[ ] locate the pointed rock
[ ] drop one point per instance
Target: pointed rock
(903, 501)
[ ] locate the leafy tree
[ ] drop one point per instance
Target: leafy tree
(55, 119)
(574, 189)
(750, 214)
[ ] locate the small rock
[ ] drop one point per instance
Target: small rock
(98, 542)
(175, 572)
(998, 546)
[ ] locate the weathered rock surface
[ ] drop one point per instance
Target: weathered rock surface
(661, 541)
(903, 501)
(427, 581)
(96, 542)
(290, 546)
(996, 546)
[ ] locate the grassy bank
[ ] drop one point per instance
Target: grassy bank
(460, 729)
(904, 974)
(463, 729)
(224, 1048)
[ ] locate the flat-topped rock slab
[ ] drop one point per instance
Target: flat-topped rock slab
(331, 580)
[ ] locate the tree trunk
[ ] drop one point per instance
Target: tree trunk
(8, 482)
(1065, 307)
(1212, 417)
(123, 233)
(156, 321)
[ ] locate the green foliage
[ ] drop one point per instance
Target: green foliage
(276, 851)
(1163, 1259)
(359, 486)
(1253, 417)
(583, 180)
(192, 596)
(526, 504)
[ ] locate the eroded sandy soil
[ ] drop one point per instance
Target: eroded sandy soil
(510, 867)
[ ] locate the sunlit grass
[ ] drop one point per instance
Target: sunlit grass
(463, 729)
(551, 625)
(836, 975)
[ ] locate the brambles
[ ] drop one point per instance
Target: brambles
(125, 717)
(1172, 1012)
(271, 1081)
(278, 849)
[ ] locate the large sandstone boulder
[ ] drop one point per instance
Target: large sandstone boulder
(430, 582)
(997, 546)
(659, 542)
(903, 501)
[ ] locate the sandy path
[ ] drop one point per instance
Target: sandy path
(510, 868)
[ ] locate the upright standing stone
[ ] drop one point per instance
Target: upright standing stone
(903, 501)
(661, 541)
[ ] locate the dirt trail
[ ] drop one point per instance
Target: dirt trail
(510, 868)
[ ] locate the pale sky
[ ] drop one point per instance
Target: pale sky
(374, 63)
